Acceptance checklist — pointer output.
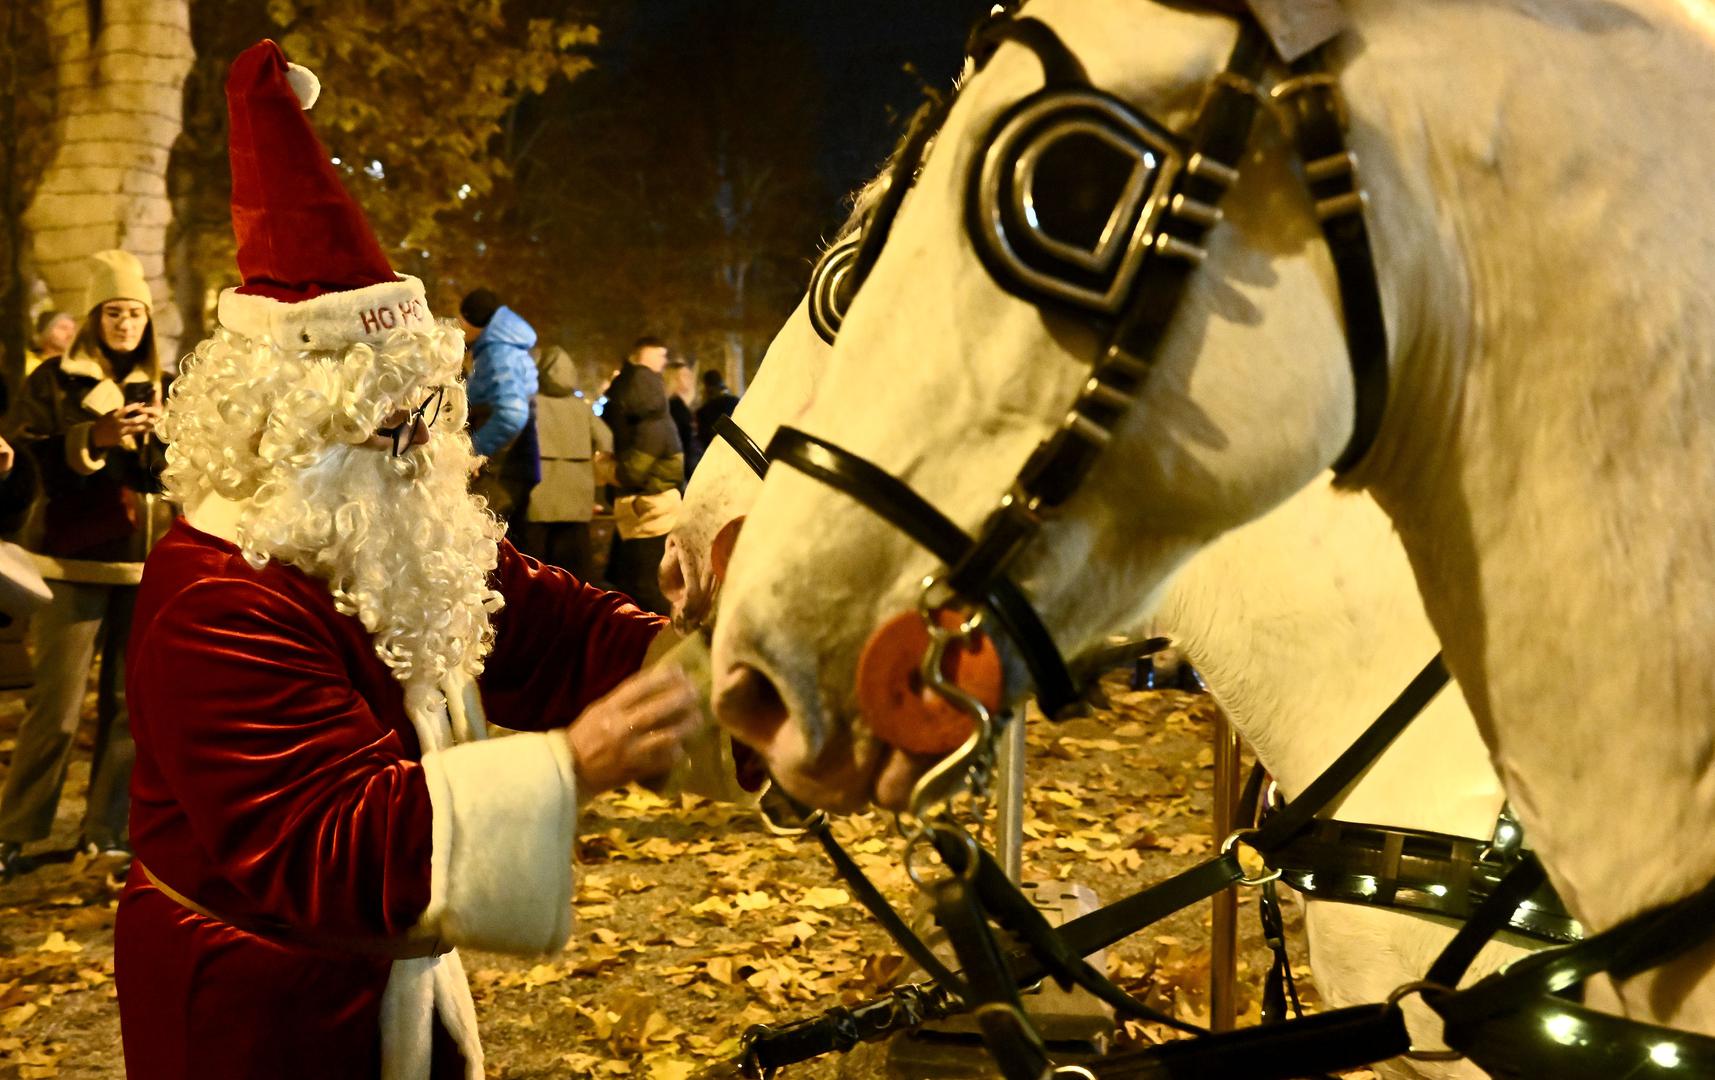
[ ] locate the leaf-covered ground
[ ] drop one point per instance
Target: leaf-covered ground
(694, 922)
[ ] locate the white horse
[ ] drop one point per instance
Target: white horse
(1306, 623)
(1540, 211)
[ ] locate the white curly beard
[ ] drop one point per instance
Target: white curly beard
(400, 541)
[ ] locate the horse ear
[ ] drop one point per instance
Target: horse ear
(1298, 26)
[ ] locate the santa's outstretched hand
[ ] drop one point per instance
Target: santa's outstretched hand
(637, 731)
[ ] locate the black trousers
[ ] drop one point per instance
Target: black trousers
(565, 544)
(634, 570)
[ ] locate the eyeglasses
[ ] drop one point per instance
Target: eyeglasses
(426, 414)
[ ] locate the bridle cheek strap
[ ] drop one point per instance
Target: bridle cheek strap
(896, 503)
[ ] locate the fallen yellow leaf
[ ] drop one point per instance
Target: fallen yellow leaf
(823, 897)
(18, 1015)
(57, 943)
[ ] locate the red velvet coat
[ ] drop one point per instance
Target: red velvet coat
(277, 778)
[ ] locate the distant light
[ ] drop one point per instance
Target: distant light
(1561, 1028)
(1664, 1054)
(336, 161)
(424, 254)
(374, 170)
(1438, 890)
(464, 191)
(482, 247)
(1366, 885)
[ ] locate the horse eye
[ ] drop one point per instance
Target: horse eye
(1079, 187)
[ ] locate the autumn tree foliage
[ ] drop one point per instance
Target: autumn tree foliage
(27, 99)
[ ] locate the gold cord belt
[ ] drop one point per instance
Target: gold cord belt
(402, 947)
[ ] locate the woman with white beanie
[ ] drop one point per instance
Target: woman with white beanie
(86, 417)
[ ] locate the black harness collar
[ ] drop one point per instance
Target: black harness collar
(1426, 873)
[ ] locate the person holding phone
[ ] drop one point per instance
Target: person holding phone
(86, 419)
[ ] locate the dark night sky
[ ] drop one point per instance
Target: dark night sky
(713, 135)
(863, 47)
(859, 49)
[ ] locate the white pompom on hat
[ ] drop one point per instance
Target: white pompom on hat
(304, 84)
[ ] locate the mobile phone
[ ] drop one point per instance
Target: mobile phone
(139, 393)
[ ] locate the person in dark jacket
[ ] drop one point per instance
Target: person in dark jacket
(501, 384)
(718, 401)
(649, 464)
(85, 418)
(679, 390)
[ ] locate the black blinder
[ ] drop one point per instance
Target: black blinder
(1067, 198)
(833, 285)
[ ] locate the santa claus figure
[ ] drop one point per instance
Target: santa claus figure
(317, 817)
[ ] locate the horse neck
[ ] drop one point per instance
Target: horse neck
(1547, 458)
(1306, 625)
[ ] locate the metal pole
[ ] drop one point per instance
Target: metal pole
(1009, 815)
(1224, 925)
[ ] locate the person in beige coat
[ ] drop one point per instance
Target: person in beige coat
(557, 523)
(86, 418)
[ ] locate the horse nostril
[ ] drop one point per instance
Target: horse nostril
(750, 706)
(720, 552)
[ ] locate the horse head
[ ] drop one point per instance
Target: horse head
(948, 377)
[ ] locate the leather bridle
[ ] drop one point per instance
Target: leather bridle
(1167, 203)
(1128, 278)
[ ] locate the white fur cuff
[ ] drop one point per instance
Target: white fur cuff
(505, 817)
(79, 454)
(331, 321)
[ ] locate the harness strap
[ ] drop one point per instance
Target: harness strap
(743, 445)
(1636, 945)
(1059, 465)
(894, 502)
(1060, 66)
(1013, 1044)
(1331, 173)
(1513, 1024)
(403, 947)
(863, 889)
(1016, 914)
(1417, 871)
(1455, 959)
(1355, 760)
(1278, 986)
(1320, 1043)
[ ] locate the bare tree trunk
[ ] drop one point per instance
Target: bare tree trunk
(120, 68)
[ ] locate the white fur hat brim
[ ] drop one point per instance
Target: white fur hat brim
(331, 321)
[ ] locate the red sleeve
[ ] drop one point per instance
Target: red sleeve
(303, 802)
(559, 644)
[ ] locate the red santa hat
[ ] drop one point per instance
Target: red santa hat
(315, 278)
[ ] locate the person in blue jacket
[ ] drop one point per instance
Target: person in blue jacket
(500, 388)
